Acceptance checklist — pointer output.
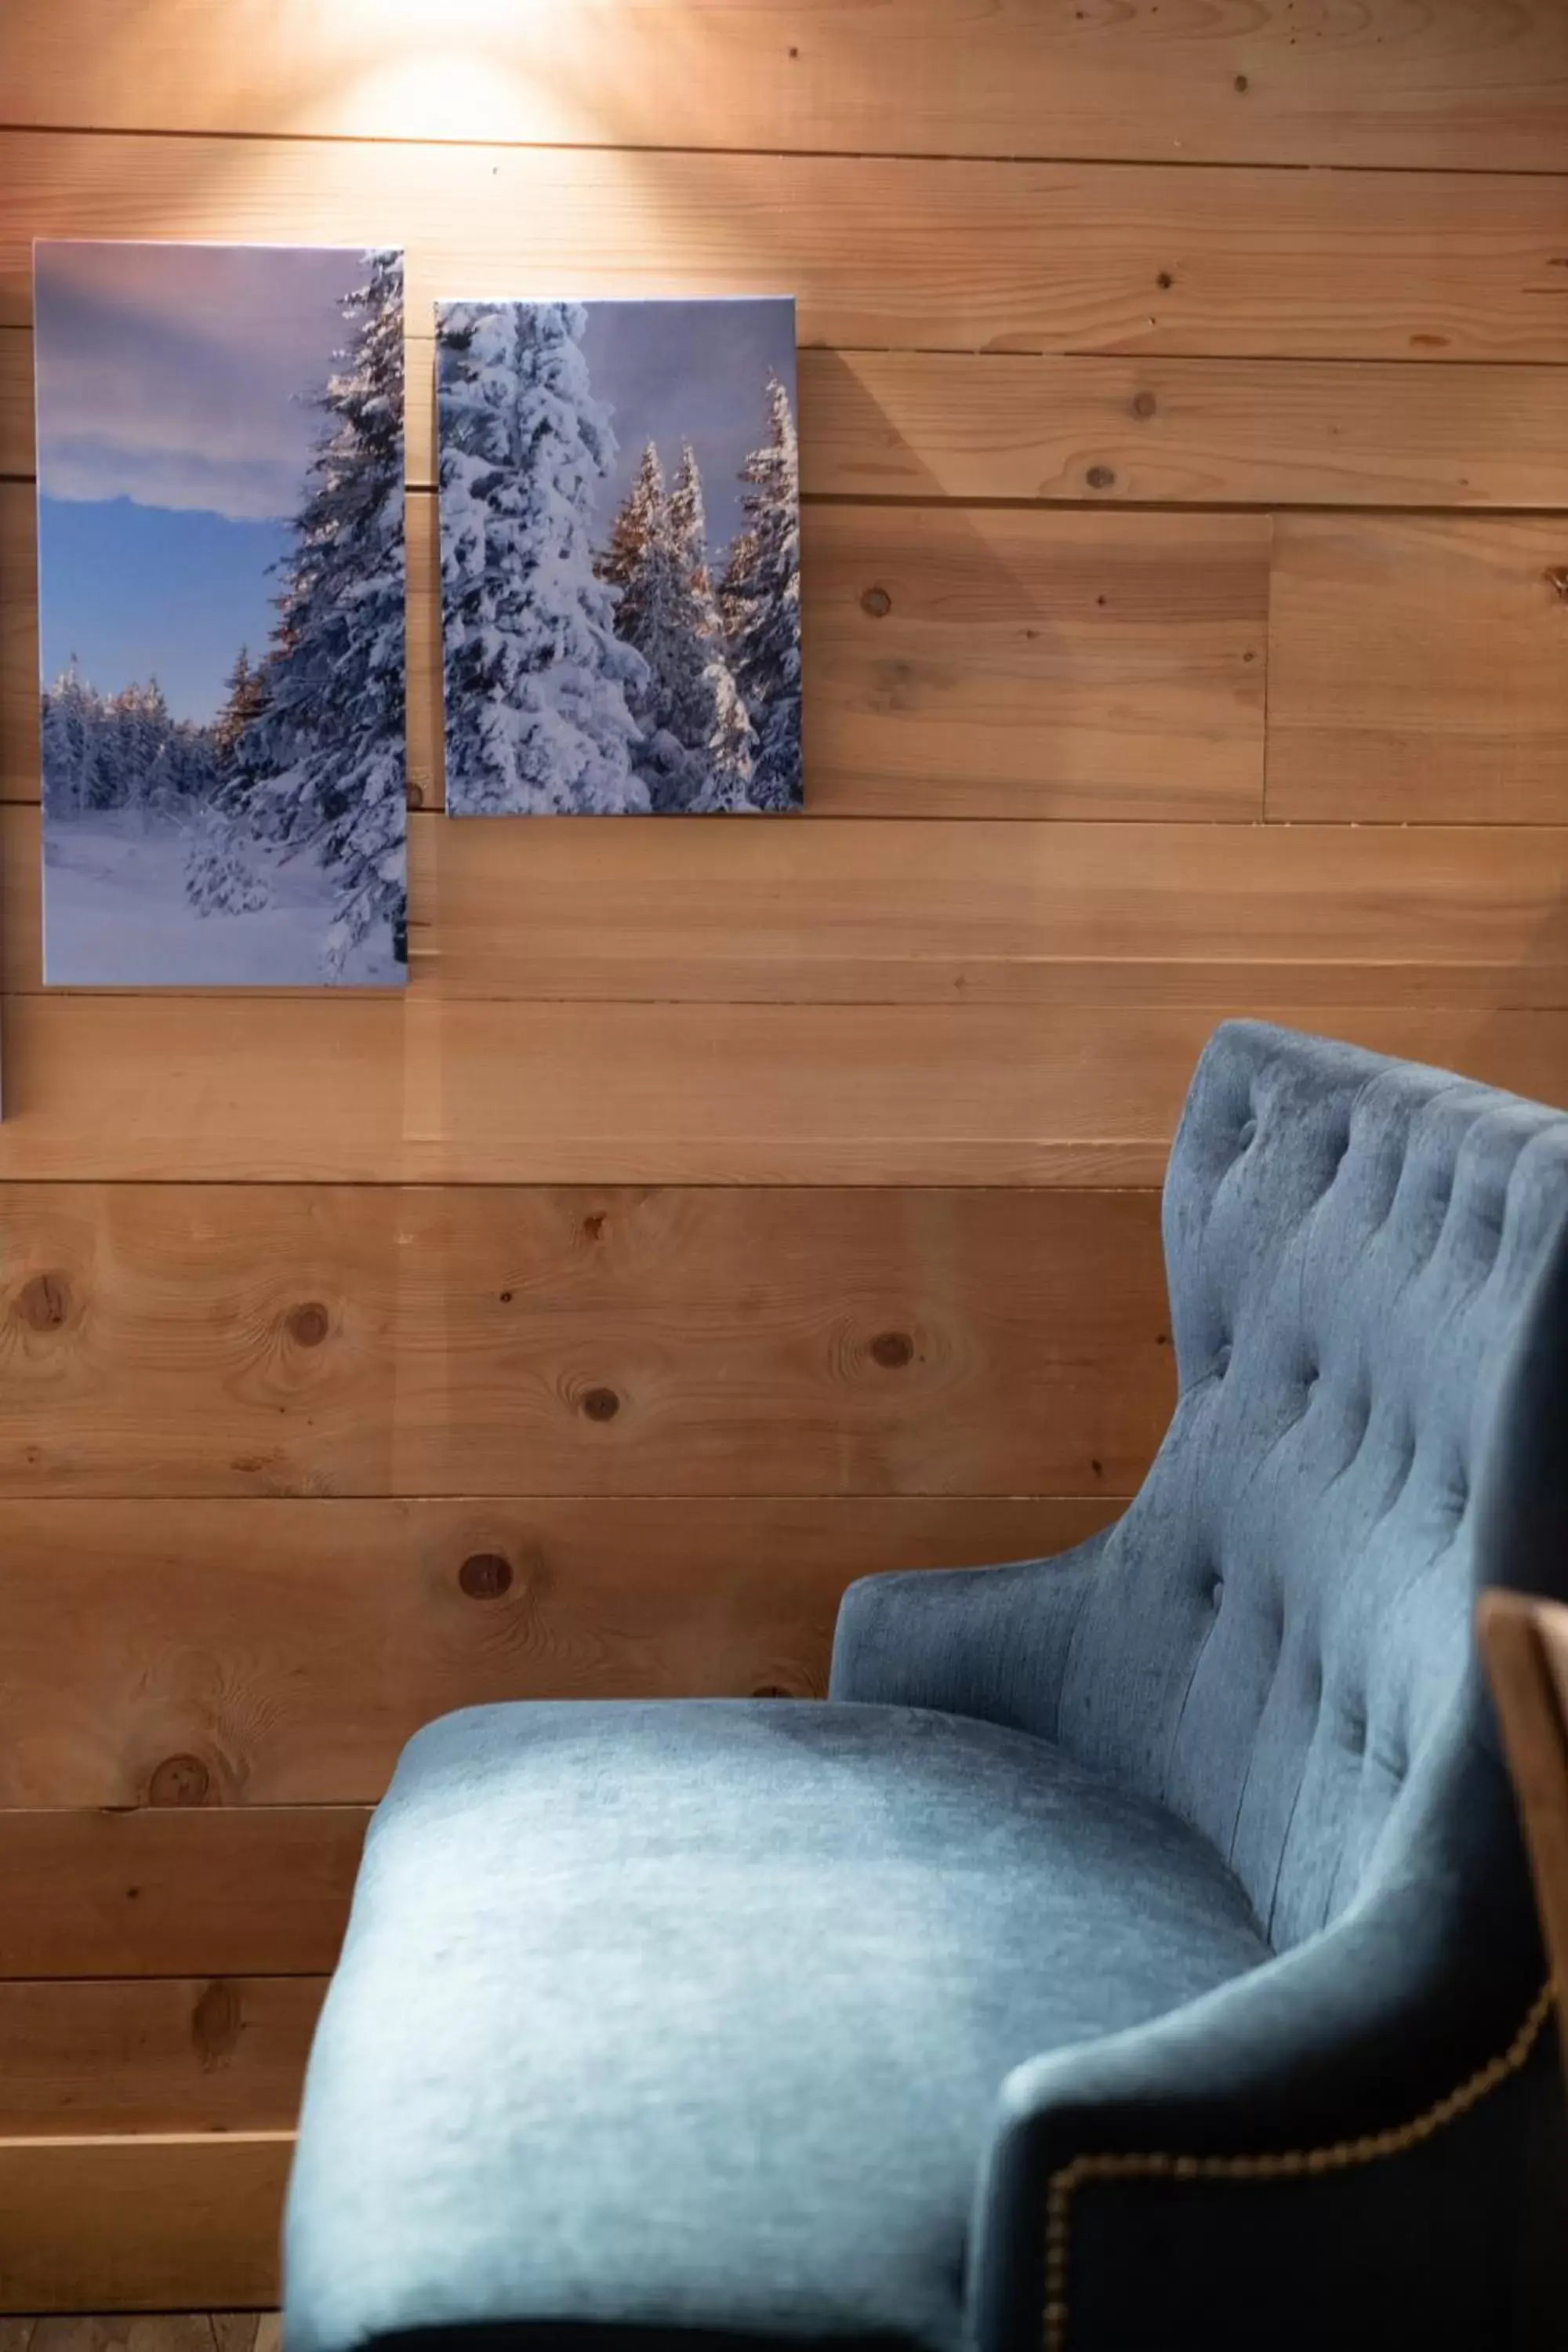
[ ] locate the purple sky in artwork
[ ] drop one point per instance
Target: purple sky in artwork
(180, 375)
(696, 371)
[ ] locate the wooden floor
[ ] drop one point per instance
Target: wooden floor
(145, 2331)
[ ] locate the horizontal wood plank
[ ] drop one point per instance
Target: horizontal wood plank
(281, 1651)
(154, 2054)
(139, 2222)
(1419, 669)
(1447, 84)
(376, 1091)
(287, 1340)
(883, 253)
(172, 1891)
(978, 912)
(992, 662)
(976, 425)
(957, 662)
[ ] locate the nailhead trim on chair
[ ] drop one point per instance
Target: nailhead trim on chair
(1287, 2164)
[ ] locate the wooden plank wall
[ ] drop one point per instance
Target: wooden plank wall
(734, 1209)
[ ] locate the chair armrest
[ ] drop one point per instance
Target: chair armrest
(1281, 2159)
(984, 1641)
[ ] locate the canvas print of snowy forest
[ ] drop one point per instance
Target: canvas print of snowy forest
(620, 557)
(221, 613)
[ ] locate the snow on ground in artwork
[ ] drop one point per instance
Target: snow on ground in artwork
(117, 917)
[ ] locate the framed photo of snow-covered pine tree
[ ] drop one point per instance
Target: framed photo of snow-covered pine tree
(620, 557)
(221, 599)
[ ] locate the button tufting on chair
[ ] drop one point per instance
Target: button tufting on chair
(908, 2021)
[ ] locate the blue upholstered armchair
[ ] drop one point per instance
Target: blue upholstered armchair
(1135, 1951)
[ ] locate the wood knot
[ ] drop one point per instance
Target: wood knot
(601, 1404)
(1241, 83)
(308, 1324)
(1164, 281)
(1144, 403)
(877, 602)
(593, 1224)
(179, 1780)
(1555, 576)
(215, 2023)
(892, 1349)
(485, 1575)
(1100, 477)
(44, 1302)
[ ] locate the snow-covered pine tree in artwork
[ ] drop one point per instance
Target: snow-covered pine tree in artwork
(319, 768)
(222, 876)
(245, 694)
(538, 685)
(695, 748)
(759, 601)
(639, 564)
(66, 719)
(122, 753)
(712, 715)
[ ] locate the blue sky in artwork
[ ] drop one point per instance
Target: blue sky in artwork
(200, 589)
(696, 371)
(175, 424)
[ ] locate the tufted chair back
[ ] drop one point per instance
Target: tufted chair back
(1368, 1265)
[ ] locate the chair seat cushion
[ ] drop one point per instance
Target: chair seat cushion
(693, 2016)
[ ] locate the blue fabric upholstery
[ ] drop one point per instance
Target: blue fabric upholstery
(658, 2076)
(1160, 1906)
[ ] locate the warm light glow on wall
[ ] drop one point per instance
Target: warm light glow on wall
(483, 68)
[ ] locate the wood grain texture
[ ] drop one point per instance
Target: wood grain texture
(973, 913)
(281, 1651)
(957, 662)
(163, 2331)
(881, 252)
(990, 663)
(376, 1091)
(935, 425)
(973, 425)
(1419, 669)
(18, 442)
(1446, 83)
(284, 1340)
(154, 2054)
(182, 2331)
(139, 2220)
(1525, 1643)
(172, 1891)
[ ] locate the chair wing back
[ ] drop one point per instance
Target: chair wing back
(1369, 1292)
